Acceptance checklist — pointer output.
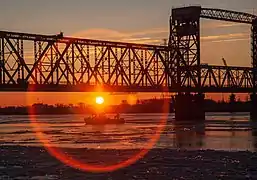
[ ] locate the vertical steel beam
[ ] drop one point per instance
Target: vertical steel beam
(40, 62)
(116, 65)
(57, 64)
(19, 60)
(96, 65)
(1, 61)
(103, 64)
(82, 59)
(52, 63)
(253, 113)
(89, 65)
(254, 53)
(73, 63)
(109, 67)
(66, 64)
(22, 55)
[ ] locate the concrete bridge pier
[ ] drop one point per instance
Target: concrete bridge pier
(189, 107)
(253, 112)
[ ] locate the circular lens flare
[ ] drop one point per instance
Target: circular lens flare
(71, 161)
(99, 100)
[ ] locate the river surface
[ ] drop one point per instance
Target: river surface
(221, 131)
(223, 147)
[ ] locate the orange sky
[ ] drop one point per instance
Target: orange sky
(9, 99)
(127, 21)
(218, 39)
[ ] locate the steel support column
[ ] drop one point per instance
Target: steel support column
(253, 113)
(254, 53)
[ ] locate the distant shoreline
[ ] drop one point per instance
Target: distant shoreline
(7, 114)
(143, 106)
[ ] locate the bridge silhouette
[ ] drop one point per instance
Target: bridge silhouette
(32, 62)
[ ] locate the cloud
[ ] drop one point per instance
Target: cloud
(229, 25)
(226, 37)
(219, 24)
(160, 31)
(100, 34)
(150, 36)
(230, 40)
(153, 36)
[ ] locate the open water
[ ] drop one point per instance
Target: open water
(221, 132)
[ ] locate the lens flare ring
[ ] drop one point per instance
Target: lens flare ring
(77, 164)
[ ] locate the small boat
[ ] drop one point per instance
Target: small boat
(102, 120)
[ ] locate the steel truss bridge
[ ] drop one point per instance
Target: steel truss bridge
(32, 62)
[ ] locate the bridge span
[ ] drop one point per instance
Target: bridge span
(33, 62)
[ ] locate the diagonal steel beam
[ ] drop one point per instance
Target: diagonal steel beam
(67, 66)
(167, 70)
(119, 66)
(20, 58)
(35, 65)
(95, 68)
(57, 63)
(87, 63)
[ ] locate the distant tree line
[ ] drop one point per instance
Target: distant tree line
(141, 106)
(232, 105)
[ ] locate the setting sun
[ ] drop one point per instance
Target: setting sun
(99, 100)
